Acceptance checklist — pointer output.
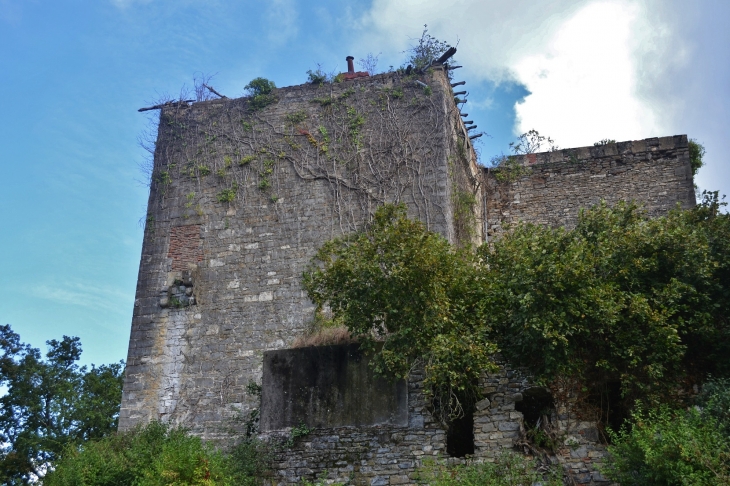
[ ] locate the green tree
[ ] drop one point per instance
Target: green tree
(620, 299)
(50, 403)
(407, 293)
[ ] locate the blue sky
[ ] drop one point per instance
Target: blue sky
(74, 72)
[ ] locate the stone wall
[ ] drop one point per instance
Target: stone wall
(392, 454)
(242, 198)
(552, 187)
(499, 426)
(367, 455)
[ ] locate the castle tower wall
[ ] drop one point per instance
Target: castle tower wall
(550, 188)
(244, 191)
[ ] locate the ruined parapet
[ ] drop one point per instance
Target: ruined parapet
(244, 192)
(550, 188)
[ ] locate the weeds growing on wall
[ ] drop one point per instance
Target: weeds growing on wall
(426, 49)
(368, 143)
(508, 169)
(508, 469)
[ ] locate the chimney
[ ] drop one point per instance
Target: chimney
(351, 74)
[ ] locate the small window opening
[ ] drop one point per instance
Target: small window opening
(460, 435)
(536, 403)
(612, 408)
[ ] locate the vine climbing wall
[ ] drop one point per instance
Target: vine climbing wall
(243, 193)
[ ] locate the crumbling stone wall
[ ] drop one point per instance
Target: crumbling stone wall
(552, 187)
(366, 455)
(241, 199)
(499, 427)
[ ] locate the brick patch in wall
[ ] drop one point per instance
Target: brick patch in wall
(185, 246)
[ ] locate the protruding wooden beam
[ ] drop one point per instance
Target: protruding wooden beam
(464, 114)
(451, 68)
(162, 105)
(446, 55)
(475, 136)
(471, 128)
(453, 85)
(215, 92)
(459, 93)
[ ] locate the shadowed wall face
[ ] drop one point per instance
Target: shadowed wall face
(328, 386)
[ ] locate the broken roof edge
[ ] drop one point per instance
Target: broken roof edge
(610, 149)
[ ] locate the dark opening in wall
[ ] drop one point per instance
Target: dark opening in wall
(613, 409)
(535, 403)
(460, 435)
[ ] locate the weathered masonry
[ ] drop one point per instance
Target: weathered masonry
(243, 194)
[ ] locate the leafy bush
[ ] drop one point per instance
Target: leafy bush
(619, 299)
(509, 469)
(714, 402)
(398, 284)
(261, 91)
(249, 461)
(665, 448)
(147, 456)
(426, 50)
(696, 154)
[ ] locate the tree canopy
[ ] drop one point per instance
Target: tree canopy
(620, 300)
(50, 403)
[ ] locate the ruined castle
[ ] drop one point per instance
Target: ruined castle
(244, 191)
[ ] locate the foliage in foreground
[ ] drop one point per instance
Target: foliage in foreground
(156, 455)
(406, 288)
(621, 300)
(509, 469)
(665, 447)
(50, 403)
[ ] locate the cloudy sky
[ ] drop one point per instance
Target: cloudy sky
(74, 73)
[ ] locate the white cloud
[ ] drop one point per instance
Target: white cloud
(123, 4)
(593, 67)
(108, 299)
(585, 80)
(281, 17)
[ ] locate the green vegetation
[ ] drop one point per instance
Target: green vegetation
(398, 285)
(604, 141)
(227, 195)
(296, 117)
(152, 455)
(508, 169)
(675, 447)
(261, 91)
(622, 304)
(531, 142)
(426, 50)
(509, 469)
(247, 159)
(696, 154)
(50, 404)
